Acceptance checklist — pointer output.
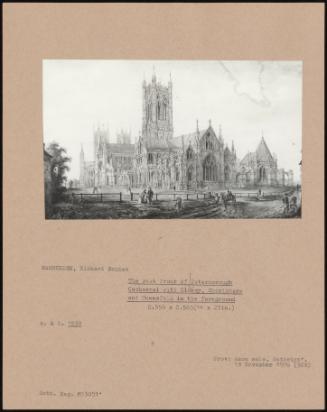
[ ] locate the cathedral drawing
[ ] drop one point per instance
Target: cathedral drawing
(199, 159)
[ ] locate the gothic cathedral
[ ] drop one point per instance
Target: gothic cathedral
(196, 160)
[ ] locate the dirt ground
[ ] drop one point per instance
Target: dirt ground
(165, 209)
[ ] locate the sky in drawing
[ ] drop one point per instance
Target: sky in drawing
(247, 98)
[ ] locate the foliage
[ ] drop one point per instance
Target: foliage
(59, 167)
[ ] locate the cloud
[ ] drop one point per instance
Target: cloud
(248, 83)
(246, 97)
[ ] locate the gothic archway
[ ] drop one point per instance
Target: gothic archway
(177, 174)
(209, 168)
(190, 172)
(240, 179)
(189, 153)
(227, 173)
(262, 174)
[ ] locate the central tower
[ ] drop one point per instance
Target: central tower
(157, 124)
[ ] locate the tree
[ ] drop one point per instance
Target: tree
(59, 167)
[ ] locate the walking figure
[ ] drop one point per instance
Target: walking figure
(286, 202)
(224, 199)
(293, 204)
(178, 204)
(217, 197)
(142, 197)
(130, 192)
(150, 195)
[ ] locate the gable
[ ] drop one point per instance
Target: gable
(263, 153)
(209, 140)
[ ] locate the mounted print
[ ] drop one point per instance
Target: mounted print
(172, 139)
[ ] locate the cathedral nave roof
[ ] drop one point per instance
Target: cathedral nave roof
(123, 148)
(249, 158)
(190, 138)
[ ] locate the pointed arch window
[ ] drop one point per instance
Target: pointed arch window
(189, 154)
(164, 111)
(227, 173)
(161, 110)
(209, 169)
(149, 109)
(209, 143)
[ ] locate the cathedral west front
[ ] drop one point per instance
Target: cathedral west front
(191, 161)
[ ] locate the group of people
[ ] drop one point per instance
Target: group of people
(290, 203)
(224, 197)
(146, 195)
